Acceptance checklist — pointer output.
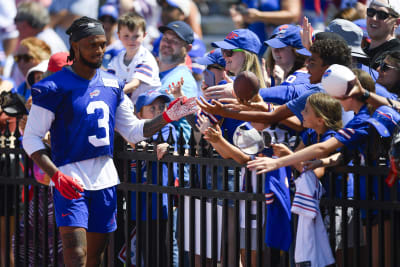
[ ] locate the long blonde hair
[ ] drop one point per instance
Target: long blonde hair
(327, 108)
(252, 63)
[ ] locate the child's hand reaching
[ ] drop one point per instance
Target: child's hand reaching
(176, 89)
(203, 122)
(213, 134)
(162, 149)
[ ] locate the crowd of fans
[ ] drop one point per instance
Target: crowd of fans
(328, 71)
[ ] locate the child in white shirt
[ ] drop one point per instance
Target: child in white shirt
(136, 65)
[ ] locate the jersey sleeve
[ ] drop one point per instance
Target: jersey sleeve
(39, 122)
(112, 66)
(46, 95)
(130, 127)
(144, 72)
(354, 133)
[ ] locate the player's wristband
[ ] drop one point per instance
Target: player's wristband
(165, 117)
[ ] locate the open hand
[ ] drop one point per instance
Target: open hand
(263, 164)
(215, 107)
(220, 91)
(176, 89)
(213, 134)
(203, 122)
(306, 34)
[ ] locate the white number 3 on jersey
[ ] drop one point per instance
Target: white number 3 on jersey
(102, 123)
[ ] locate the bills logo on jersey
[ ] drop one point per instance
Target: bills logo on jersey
(110, 82)
(94, 93)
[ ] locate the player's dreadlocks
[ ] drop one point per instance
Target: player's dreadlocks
(81, 28)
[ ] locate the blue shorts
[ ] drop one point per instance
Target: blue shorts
(95, 210)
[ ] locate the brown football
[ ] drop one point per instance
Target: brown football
(246, 85)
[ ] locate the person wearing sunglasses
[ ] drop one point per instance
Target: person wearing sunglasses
(240, 50)
(383, 17)
(30, 53)
(389, 76)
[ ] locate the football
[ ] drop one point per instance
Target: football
(338, 80)
(246, 85)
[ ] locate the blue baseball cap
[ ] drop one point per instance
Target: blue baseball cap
(181, 29)
(148, 97)
(385, 120)
(240, 38)
(108, 10)
(285, 35)
(213, 57)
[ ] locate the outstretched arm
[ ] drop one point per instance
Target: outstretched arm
(373, 99)
(223, 147)
(319, 150)
(275, 116)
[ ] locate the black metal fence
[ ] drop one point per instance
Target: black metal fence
(195, 211)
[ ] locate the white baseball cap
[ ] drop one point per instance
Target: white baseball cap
(338, 80)
(248, 139)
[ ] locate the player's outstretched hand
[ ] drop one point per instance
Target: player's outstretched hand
(68, 186)
(263, 164)
(180, 108)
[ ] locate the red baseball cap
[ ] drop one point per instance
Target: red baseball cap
(57, 61)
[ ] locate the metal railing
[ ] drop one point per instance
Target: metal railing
(206, 189)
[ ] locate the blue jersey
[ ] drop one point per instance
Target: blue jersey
(278, 233)
(310, 136)
(84, 113)
(353, 135)
(294, 85)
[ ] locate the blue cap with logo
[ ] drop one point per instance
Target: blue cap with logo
(181, 29)
(385, 120)
(240, 38)
(213, 57)
(108, 10)
(285, 35)
(148, 97)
